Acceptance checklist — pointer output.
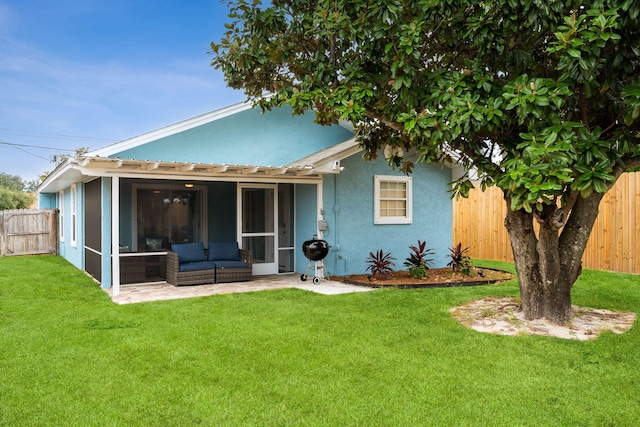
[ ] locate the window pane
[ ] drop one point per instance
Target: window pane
(257, 215)
(165, 217)
(393, 190)
(393, 207)
(262, 248)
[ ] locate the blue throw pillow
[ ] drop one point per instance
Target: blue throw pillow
(224, 251)
(189, 252)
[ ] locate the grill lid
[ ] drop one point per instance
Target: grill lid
(315, 249)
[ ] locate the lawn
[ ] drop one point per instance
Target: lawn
(69, 356)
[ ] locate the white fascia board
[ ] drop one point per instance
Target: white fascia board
(170, 130)
(62, 180)
(329, 155)
(55, 175)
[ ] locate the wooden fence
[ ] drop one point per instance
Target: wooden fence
(614, 245)
(28, 232)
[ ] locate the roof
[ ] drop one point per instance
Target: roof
(233, 143)
(234, 135)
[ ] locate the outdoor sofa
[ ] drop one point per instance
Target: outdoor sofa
(191, 264)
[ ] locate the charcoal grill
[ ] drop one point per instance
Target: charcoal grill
(315, 250)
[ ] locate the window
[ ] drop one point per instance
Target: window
(61, 215)
(74, 236)
(167, 214)
(392, 199)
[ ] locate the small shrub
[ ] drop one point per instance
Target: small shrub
(418, 256)
(418, 272)
(380, 264)
(467, 268)
(459, 261)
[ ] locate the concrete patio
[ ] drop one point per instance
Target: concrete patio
(132, 294)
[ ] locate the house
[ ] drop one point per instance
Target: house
(268, 181)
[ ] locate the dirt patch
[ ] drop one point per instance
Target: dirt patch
(501, 316)
(436, 278)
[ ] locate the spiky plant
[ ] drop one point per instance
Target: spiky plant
(459, 261)
(418, 256)
(380, 264)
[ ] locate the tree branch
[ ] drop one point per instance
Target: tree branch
(628, 163)
(390, 124)
(583, 109)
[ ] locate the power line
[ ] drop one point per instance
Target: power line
(13, 144)
(23, 150)
(16, 132)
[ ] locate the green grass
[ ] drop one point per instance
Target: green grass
(69, 356)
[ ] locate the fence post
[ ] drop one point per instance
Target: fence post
(3, 237)
(53, 232)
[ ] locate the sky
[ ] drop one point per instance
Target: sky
(88, 73)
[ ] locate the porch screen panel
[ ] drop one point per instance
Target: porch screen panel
(286, 229)
(93, 228)
(167, 216)
(258, 223)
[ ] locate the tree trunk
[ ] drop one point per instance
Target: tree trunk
(548, 264)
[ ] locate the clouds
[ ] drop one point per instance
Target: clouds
(102, 83)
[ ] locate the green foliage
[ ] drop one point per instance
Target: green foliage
(12, 182)
(418, 263)
(459, 261)
(10, 199)
(418, 272)
(12, 192)
(539, 98)
(380, 263)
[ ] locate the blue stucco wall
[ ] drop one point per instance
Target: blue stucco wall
(249, 137)
(73, 253)
(306, 203)
(348, 207)
(47, 201)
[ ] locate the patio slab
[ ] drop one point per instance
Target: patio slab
(132, 294)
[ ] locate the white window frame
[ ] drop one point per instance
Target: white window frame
(379, 219)
(61, 214)
(74, 216)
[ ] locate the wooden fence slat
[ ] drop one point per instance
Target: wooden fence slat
(614, 244)
(28, 232)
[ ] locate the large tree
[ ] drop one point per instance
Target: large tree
(540, 98)
(13, 193)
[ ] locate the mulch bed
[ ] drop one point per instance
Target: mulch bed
(436, 278)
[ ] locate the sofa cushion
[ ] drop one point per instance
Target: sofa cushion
(189, 252)
(231, 264)
(224, 251)
(197, 266)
